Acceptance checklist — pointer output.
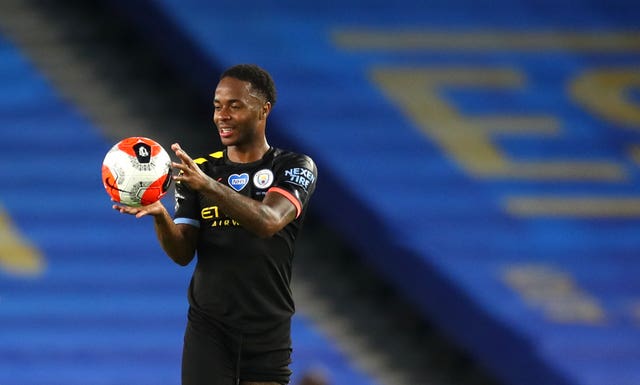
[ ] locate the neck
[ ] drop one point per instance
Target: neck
(239, 154)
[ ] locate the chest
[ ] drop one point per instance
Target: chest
(252, 182)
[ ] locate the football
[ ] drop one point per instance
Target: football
(136, 171)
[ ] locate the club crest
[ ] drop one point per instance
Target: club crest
(263, 178)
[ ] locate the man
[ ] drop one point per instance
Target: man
(240, 210)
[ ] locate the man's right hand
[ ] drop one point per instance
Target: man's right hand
(154, 209)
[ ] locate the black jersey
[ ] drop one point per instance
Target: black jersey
(240, 279)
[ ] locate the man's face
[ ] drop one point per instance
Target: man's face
(239, 113)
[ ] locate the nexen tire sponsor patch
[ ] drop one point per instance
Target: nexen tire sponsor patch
(299, 176)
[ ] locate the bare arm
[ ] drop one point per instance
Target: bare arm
(261, 218)
(178, 241)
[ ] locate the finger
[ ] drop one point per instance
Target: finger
(141, 213)
(180, 153)
(180, 166)
(125, 209)
(118, 208)
(178, 177)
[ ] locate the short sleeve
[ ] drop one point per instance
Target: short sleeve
(295, 179)
(186, 206)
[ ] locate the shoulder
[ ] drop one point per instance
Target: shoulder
(295, 169)
(293, 159)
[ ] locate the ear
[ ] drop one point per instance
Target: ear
(266, 109)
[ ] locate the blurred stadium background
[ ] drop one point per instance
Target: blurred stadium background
(477, 218)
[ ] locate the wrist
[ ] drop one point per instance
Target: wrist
(212, 187)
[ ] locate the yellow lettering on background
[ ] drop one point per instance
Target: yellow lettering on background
(604, 92)
(495, 125)
(554, 293)
(486, 40)
(17, 255)
(468, 140)
(574, 206)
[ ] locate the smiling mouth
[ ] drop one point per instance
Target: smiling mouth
(225, 132)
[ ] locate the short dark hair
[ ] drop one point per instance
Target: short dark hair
(259, 78)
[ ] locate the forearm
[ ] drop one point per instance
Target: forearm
(179, 247)
(263, 218)
(253, 215)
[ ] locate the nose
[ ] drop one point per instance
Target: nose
(221, 114)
